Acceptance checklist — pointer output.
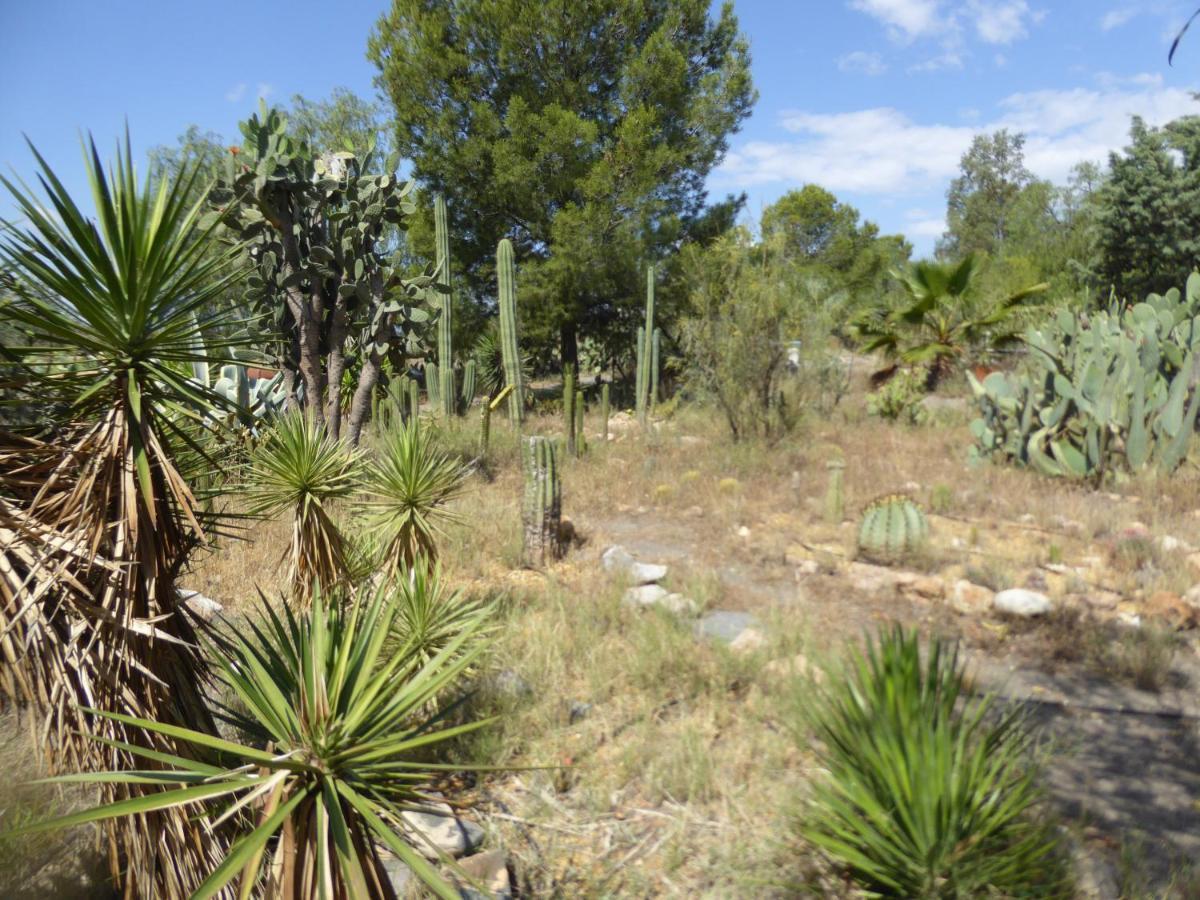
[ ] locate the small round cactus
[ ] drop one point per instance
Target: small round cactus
(892, 527)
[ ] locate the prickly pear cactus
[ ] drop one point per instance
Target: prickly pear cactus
(892, 528)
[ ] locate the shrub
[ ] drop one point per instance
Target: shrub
(900, 400)
(930, 793)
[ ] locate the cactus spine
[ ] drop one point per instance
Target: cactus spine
(580, 434)
(506, 276)
(542, 507)
(604, 409)
(835, 500)
(569, 408)
(892, 527)
(445, 319)
(646, 354)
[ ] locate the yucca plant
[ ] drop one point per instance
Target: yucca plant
(300, 469)
(489, 361)
(409, 486)
(430, 617)
(96, 516)
(338, 733)
(931, 793)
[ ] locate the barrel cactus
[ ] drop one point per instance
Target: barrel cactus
(892, 528)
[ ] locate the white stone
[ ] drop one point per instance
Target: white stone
(619, 561)
(204, 608)
(743, 532)
(807, 567)
(1022, 602)
(748, 641)
(969, 598)
(1170, 544)
(436, 828)
(645, 595)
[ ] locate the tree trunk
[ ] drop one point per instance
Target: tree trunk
(307, 312)
(336, 367)
(569, 346)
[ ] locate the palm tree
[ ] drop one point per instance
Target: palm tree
(96, 516)
(943, 317)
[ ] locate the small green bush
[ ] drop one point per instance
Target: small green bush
(900, 400)
(930, 792)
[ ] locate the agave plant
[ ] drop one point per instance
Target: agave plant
(429, 617)
(944, 316)
(409, 488)
(930, 793)
(489, 360)
(346, 728)
(301, 469)
(97, 518)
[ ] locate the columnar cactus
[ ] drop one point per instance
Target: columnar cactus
(569, 408)
(445, 319)
(655, 348)
(835, 500)
(542, 507)
(646, 354)
(580, 433)
(414, 398)
(892, 527)
(640, 371)
(433, 385)
(468, 386)
(604, 409)
(506, 276)
(485, 429)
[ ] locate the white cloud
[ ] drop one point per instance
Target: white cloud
(1115, 18)
(264, 90)
(236, 93)
(950, 58)
(932, 227)
(883, 151)
(905, 19)
(862, 62)
(1001, 21)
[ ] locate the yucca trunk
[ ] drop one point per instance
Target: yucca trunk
(91, 545)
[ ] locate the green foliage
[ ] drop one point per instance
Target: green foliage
(1101, 393)
(743, 309)
(348, 728)
(592, 159)
(300, 469)
(931, 793)
(892, 528)
(944, 318)
(430, 617)
(899, 400)
(410, 486)
(1149, 209)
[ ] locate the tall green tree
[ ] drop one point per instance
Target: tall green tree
(581, 131)
(1149, 209)
(980, 201)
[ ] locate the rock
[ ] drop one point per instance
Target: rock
(488, 871)
(971, 599)
(655, 595)
(398, 873)
(1095, 877)
(870, 578)
(619, 561)
(1034, 581)
(436, 826)
(1171, 544)
(507, 683)
(204, 608)
(912, 487)
(621, 421)
(743, 532)
(1022, 602)
(1170, 608)
(1192, 597)
(807, 567)
(750, 640)
(725, 626)
(578, 711)
(927, 587)
(1102, 599)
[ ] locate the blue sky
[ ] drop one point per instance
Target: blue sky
(874, 99)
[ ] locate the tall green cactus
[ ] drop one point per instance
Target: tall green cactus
(580, 433)
(445, 320)
(468, 386)
(414, 398)
(647, 354)
(485, 429)
(433, 385)
(506, 276)
(604, 410)
(655, 350)
(569, 408)
(835, 498)
(542, 506)
(640, 372)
